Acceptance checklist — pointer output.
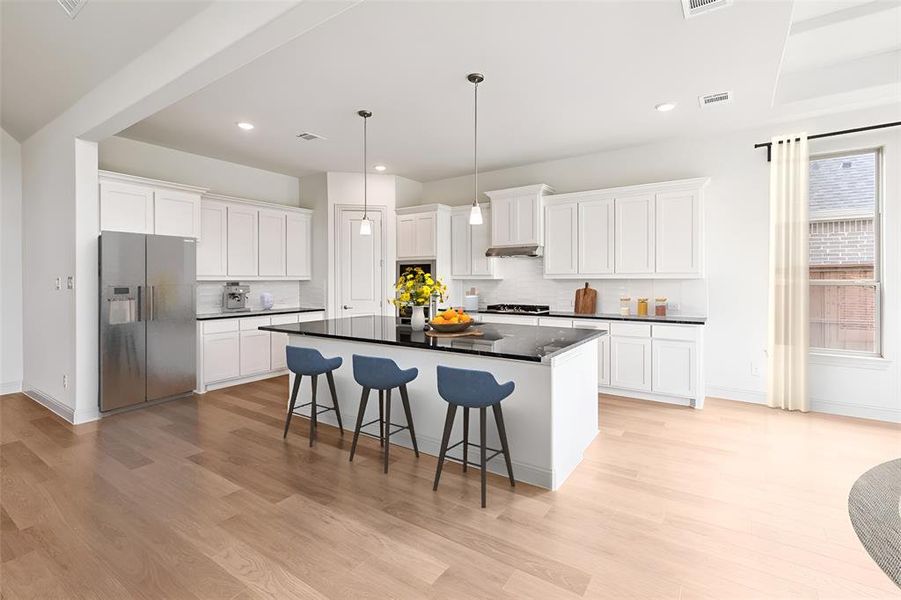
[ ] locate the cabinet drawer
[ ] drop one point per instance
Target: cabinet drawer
(254, 323)
(630, 329)
(674, 332)
(554, 322)
(220, 326)
(312, 316)
(591, 324)
(283, 319)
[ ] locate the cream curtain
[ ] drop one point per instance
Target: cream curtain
(788, 338)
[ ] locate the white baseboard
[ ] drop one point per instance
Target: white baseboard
(10, 387)
(218, 385)
(52, 404)
(861, 411)
(738, 394)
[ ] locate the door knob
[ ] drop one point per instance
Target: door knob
(346, 307)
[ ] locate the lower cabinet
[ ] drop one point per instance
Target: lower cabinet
(220, 356)
(279, 341)
(674, 367)
(255, 352)
(630, 363)
(603, 347)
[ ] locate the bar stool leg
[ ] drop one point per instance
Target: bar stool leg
(465, 438)
(387, 425)
(448, 426)
(331, 387)
(294, 393)
(406, 400)
(382, 418)
(482, 413)
(313, 410)
(364, 399)
(502, 433)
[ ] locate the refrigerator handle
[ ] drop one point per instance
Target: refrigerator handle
(150, 302)
(140, 303)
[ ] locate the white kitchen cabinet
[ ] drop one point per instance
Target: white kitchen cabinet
(595, 237)
(176, 213)
(221, 352)
(272, 243)
(417, 233)
(555, 322)
(518, 215)
(242, 241)
(634, 234)
(279, 341)
(603, 347)
(561, 249)
(311, 316)
(212, 247)
(469, 244)
(126, 207)
(630, 363)
(299, 245)
(256, 349)
(503, 318)
(674, 368)
(678, 237)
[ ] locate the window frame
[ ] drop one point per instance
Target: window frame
(878, 262)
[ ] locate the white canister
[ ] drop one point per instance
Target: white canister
(471, 303)
(266, 301)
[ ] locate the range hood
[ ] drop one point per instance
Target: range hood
(531, 250)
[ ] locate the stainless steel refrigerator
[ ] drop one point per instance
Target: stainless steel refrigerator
(147, 318)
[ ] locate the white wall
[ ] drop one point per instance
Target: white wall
(737, 247)
(10, 265)
(221, 177)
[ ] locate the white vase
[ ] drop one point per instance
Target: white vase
(417, 319)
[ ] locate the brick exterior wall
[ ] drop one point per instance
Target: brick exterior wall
(842, 242)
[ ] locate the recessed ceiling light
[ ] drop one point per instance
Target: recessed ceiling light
(245, 125)
(666, 106)
(380, 168)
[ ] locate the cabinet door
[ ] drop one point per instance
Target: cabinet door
(126, 207)
(255, 352)
(596, 237)
(242, 241)
(561, 239)
(272, 248)
(526, 220)
(630, 363)
(634, 249)
(674, 368)
(502, 216)
(278, 342)
(406, 236)
(176, 213)
(220, 356)
(461, 245)
(212, 247)
(481, 240)
(677, 232)
(425, 235)
(604, 361)
(299, 244)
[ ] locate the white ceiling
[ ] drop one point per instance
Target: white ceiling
(49, 61)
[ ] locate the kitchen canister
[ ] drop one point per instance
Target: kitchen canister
(266, 301)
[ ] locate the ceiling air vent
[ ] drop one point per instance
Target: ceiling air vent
(72, 7)
(306, 135)
(693, 8)
(718, 98)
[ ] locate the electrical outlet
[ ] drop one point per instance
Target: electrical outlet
(65, 381)
(755, 369)
(59, 283)
(70, 282)
(673, 306)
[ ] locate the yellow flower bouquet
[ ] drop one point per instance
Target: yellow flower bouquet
(414, 288)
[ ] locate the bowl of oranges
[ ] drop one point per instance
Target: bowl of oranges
(452, 320)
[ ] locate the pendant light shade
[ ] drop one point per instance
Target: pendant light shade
(475, 213)
(365, 224)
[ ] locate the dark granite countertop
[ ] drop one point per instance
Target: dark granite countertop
(236, 314)
(674, 319)
(500, 340)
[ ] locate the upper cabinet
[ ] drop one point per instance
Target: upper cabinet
(643, 231)
(421, 231)
(517, 215)
(244, 239)
(139, 205)
(469, 244)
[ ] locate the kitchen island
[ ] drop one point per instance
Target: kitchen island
(550, 419)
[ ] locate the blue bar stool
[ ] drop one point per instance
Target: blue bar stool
(307, 361)
(383, 374)
(473, 389)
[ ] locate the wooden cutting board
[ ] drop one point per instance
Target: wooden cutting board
(586, 300)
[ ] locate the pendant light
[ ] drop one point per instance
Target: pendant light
(365, 224)
(475, 213)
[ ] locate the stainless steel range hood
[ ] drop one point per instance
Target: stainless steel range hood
(531, 251)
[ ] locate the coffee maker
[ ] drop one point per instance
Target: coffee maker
(234, 297)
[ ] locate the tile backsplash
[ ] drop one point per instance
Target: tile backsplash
(285, 294)
(523, 282)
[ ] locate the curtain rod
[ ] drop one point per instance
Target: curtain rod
(769, 145)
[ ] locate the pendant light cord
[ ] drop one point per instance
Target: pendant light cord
(365, 178)
(475, 147)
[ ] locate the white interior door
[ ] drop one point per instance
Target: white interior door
(359, 259)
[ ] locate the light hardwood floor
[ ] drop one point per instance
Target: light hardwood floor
(201, 498)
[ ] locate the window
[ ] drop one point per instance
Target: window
(844, 253)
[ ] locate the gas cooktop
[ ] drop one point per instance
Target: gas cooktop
(534, 309)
